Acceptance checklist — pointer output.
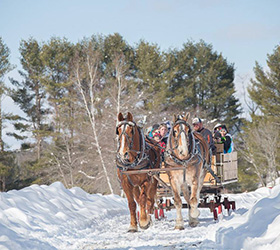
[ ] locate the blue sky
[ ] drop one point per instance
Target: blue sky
(244, 31)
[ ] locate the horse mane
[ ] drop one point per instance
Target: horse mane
(204, 144)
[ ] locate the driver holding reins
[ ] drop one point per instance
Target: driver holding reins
(198, 127)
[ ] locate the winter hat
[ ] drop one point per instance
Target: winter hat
(224, 127)
(196, 120)
(155, 126)
(217, 126)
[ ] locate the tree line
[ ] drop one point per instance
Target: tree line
(71, 93)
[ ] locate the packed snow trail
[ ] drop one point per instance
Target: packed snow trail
(53, 217)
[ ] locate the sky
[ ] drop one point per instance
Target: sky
(244, 31)
(53, 217)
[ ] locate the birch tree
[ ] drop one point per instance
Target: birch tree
(87, 78)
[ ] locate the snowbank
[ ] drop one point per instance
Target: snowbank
(259, 228)
(53, 217)
(35, 217)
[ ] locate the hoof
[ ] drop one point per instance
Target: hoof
(193, 222)
(132, 229)
(146, 224)
(179, 228)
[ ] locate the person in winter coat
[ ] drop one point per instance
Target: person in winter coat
(226, 139)
(163, 130)
(198, 127)
(153, 130)
(158, 138)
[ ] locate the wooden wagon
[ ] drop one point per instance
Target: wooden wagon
(223, 171)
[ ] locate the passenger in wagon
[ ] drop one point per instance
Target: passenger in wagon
(163, 130)
(154, 130)
(216, 134)
(226, 139)
(158, 139)
(198, 126)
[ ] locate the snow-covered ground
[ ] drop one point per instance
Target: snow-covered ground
(53, 217)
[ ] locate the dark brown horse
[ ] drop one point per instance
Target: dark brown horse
(135, 153)
(187, 150)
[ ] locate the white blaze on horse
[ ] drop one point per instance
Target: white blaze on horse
(189, 151)
(135, 153)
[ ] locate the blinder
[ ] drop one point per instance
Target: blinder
(125, 122)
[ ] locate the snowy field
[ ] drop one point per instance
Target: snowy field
(53, 217)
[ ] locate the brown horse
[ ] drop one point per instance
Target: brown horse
(135, 153)
(190, 151)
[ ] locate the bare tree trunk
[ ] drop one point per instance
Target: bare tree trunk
(90, 109)
(58, 164)
(70, 160)
(249, 157)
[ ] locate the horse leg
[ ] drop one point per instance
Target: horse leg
(175, 184)
(186, 192)
(193, 211)
(132, 207)
(136, 193)
(152, 189)
(145, 219)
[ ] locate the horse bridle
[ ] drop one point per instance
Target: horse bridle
(191, 142)
(140, 154)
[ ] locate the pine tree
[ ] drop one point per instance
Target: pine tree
(56, 57)
(5, 67)
(204, 81)
(30, 94)
(150, 67)
(265, 88)
(261, 135)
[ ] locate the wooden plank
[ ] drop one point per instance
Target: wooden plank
(209, 179)
(229, 157)
(229, 171)
(219, 147)
(164, 177)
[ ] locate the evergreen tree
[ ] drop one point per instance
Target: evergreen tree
(265, 88)
(8, 170)
(150, 67)
(5, 67)
(114, 46)
(261, 135)
(30, 94)
(56, 56)
(204, 81)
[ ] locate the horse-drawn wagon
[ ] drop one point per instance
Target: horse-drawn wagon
(189, 167)
(223, 171)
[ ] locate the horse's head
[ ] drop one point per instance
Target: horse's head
(128, 138)
(181, 138)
